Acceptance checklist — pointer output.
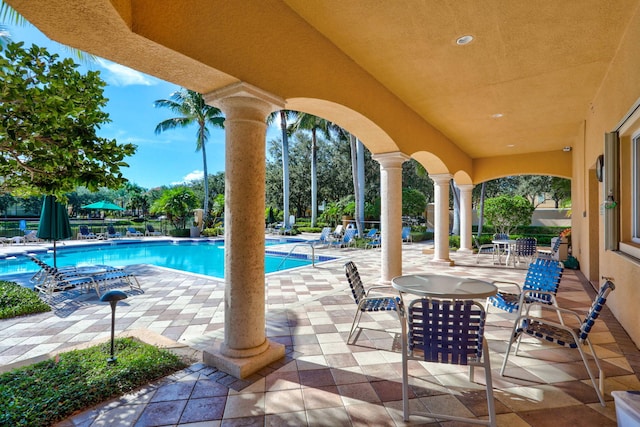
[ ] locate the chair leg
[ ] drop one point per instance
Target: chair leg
(356, 322)
(599, 386)
(489, 384)
(512, 338)
(405, 372)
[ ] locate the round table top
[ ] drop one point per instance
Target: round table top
(442, 286)
(504, 241)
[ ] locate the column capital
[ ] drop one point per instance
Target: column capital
(244, 90)
(465, 187)
(390, 160)
(441, 178)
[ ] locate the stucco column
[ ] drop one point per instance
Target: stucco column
(245, 348)
(390, 213)
(466, 218)
(441, 221)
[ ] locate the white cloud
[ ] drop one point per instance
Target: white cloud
(119, 75)
(191, 176)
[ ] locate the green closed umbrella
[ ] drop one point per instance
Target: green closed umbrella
(54, 223)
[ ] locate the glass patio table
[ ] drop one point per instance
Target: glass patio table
(443, 287)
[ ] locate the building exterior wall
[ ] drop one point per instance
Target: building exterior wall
(619, 92)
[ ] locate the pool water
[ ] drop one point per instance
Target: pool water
(202, 257)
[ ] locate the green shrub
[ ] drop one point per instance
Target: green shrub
(16, 300)
(47, 392)
(454, 241)
(180, 232)
(213, 232)
(310, 229)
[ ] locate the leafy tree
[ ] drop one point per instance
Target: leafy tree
(561, 191)
(49, 114)
(505, 213)
(191, 108)
(534, 186)
(6, 200)
(414, 202)
(415, 176)
(178, 204)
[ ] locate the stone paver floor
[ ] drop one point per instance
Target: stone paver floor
(322, 381)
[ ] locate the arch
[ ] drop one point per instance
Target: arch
(371, 135)
(432, 163)
(545, 163)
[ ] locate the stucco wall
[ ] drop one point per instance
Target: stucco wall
(618, 93)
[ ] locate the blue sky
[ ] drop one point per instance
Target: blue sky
(165, 159)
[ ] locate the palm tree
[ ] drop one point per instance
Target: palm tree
(313, 123)
(191, 108)
(284, 116)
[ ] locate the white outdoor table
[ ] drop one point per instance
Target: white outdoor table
(504, 245)
(443, 287)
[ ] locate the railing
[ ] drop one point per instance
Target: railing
(313, 254)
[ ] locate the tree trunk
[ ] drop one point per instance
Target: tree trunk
(356, 187)
(285, 167)
(205, 215)
(481, 209)
(314, 180)
(455, 229)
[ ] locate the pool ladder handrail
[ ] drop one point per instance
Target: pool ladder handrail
(313, 254)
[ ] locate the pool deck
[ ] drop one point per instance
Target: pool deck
(322, 381)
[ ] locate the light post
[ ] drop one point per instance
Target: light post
(113, 297)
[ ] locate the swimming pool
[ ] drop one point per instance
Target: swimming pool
(194, 256)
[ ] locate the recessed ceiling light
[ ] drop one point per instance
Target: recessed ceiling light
(510, 145)
(461, 41)
(497, 115)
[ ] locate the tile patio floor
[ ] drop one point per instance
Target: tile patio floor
(322, 381)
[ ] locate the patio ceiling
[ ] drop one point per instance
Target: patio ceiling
(523, 85)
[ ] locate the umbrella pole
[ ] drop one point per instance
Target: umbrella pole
(55, 263)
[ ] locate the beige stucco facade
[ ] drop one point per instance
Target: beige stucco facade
(538, 78)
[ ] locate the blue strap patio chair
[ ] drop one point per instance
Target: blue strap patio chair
(450, 332)
(366, 302)
(406, 234)
(526, 249)
(540, 285)
(565, 336)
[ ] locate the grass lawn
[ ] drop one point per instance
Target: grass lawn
(50, 391)
(16, 300)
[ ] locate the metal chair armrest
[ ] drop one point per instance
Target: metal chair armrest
(550, 308)
(504, 282)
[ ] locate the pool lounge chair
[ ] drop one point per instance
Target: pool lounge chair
(132, 232)
(31, 237)
(50, 279)
(112, 233)
(150, 231)
(84, 233)
(324, 239)
(347, 240)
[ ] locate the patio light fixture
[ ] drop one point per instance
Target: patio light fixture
(461, 41)
(112, 297)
